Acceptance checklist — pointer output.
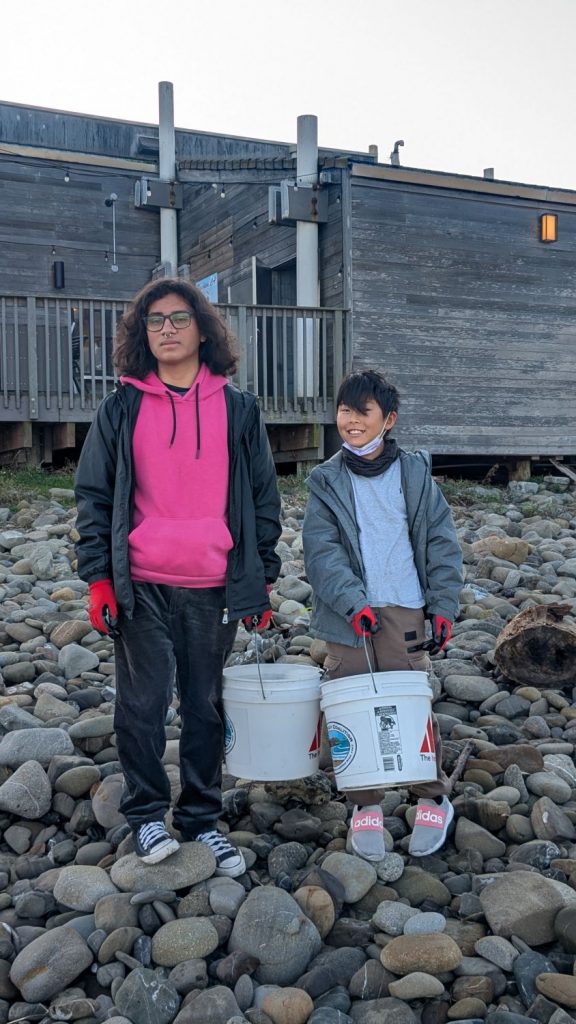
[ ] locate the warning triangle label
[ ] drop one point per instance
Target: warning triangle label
(428, 741)
(315, 745)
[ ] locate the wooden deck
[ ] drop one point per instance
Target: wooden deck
(56, 358)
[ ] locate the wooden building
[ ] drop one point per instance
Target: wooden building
(440, 280)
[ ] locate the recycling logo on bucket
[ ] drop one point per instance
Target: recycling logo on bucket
(229, 734)
(342, 746)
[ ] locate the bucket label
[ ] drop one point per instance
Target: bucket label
(389, 740)
(314, 748)
(342, 746)
(229, 734)
(427, 749)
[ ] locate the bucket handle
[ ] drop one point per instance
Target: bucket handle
(258, 645)
(370, 669)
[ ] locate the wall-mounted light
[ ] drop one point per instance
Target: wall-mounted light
(66, 175)
(53, 250)
(549, 227)
(58, 280)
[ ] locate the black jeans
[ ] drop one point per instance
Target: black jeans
(176, 636)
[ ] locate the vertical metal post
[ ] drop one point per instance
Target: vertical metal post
(307, 289)
(32, 358)
(307, 284)
(167, 155)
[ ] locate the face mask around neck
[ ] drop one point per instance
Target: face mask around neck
(371, 446)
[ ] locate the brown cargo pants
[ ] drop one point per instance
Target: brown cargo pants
(400, 629)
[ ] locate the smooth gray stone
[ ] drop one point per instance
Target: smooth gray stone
(146, 998)
(526, 968)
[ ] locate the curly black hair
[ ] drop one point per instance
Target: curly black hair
(132, 355)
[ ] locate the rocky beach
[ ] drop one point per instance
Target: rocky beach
(484, 930)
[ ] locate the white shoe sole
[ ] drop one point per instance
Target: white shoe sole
(232, 872)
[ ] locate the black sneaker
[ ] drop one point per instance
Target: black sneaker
(229, 860)
(153, 842)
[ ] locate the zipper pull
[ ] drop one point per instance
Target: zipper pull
(225, 617)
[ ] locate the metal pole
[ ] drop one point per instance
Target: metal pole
(307, 286)
(167, 155)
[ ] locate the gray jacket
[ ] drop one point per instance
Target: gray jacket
(332, 548)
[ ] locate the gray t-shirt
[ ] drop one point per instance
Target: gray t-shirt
(391, 577)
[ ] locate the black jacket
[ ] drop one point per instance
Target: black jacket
(104, 497)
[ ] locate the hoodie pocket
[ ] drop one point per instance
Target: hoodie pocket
(194, 550)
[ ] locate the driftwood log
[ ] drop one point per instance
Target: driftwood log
(537, 647)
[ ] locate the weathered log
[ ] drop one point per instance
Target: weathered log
(536, 647)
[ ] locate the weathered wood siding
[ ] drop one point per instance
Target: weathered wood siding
(84, 133)
(473, 318)
(223, 235)
(40, 212)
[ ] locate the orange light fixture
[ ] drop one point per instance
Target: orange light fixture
(549, 227)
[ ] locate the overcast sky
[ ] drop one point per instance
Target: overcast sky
(467, 84)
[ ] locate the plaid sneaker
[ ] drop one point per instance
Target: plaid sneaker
(229, 861)
(153, 842)
(367, 833)
(430, 827)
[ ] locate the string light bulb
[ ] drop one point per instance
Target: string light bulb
(66, 175)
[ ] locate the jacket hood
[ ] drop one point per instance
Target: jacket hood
(204, 387)
(206, 382)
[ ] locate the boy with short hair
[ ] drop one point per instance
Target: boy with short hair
(382, 555)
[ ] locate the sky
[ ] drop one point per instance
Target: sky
(467, 84)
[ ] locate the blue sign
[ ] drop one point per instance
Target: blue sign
(209, 285)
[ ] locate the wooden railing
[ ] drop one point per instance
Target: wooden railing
(56, 357)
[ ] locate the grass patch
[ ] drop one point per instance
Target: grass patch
(470, 492)
(25, 484)
(293, 489)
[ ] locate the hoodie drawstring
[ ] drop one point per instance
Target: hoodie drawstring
(173, 407)
(173, 418)
(197, 423)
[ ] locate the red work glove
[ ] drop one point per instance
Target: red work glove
(365, 622)
(441, 633)
(102, 605)
(260, 621)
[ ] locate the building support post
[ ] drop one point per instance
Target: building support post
(307, 284)
(167, 161)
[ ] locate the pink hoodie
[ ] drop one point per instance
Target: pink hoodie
(180, 533)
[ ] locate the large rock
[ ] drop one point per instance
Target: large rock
(145, 998)
(34, 745)
(190, 938)
(192, 863)
(74, 659)
(80, 887)
(48, 964)
(525, 904)
(214, 1006)
(356, 875)
(106, 801)
(271, 926)
(27, 793)
(415, 953)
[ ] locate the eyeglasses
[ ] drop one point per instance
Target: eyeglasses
(179, 320)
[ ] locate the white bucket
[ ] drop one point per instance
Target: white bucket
(384, 738)
(276, 738)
